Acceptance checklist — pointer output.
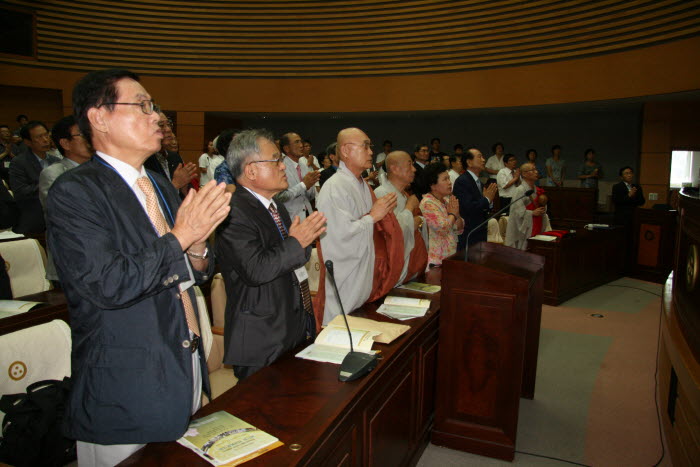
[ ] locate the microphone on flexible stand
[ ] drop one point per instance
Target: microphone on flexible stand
(466, 246)
(355, 364)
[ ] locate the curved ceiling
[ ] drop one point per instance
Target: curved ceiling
(317, 38)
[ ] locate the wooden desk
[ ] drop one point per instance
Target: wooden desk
(580, 262)
(55, 308)
(382, 419)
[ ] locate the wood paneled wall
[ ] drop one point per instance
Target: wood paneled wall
(317, 38)
(666, 126)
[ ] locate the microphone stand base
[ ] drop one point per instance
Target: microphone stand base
(355, 365)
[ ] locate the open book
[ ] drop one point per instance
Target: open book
(222, 439)
(403, 308)
(332, 344)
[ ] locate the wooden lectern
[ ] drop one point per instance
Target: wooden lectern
(488, 343)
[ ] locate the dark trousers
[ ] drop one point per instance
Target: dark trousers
(504, 202)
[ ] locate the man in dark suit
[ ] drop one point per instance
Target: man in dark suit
(262, 256)
(24, 177)
(168, 162)
(335, 162)
(626, 196)
(421, 156)
(127, 254)
(474, 201)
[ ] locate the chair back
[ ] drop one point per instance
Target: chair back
(493, 234)
(34, 354)
(313, 269)
(218, 301)
(25, 261)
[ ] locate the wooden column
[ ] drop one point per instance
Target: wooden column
(190, 134)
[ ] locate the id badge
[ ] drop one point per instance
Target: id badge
(301, 273)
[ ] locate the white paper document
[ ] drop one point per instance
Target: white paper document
(403, 308)
(332, 344)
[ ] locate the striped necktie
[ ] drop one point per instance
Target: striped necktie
(303, 285)
(158, 221)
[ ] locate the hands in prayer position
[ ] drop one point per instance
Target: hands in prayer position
(490, 192)
(183, 174)
(382, 207)
(311, 178)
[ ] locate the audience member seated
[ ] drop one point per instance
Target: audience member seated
(531, 156)
(556, 168)
(399, 177)
(24, 177)
(528, 217)
(8, 151)
(262, 253)
(590, 171)
(508, 179)
(474, 201)
(362, 269)
(167, 160)
(301, 178)
(75, 151)
(441, 212)
(334, 160)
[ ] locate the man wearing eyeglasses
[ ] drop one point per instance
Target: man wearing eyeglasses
(128, 253)
(262, 252)
(75, 151)
(302, 178)
(24, 177)
(365, 267)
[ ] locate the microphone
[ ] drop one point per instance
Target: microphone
(355, 364)
(466, 244)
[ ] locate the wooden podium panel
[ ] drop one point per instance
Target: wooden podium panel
(488, 345)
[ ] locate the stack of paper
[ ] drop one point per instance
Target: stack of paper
(403, 308)
(420, 287)
(222, 439)
(544, 238)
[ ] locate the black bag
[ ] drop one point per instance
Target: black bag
(31, 429)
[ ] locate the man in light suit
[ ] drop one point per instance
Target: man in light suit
(474, 200)
(75, 151)
(127, 254)
(297, 197)
(262, 256)
(24, 177)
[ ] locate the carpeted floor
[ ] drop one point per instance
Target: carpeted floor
(594, 399)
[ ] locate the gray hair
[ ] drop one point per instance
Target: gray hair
(243, 146)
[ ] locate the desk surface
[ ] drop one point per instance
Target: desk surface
(54, 307)
(299, 401)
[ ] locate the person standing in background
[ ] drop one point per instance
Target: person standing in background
(590, 171)
(556, 168)
(205, 161)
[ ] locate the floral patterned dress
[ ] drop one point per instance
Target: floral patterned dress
(442, 237)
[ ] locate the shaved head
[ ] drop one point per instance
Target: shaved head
(400, 170)
(355, 150)
(396, 158)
